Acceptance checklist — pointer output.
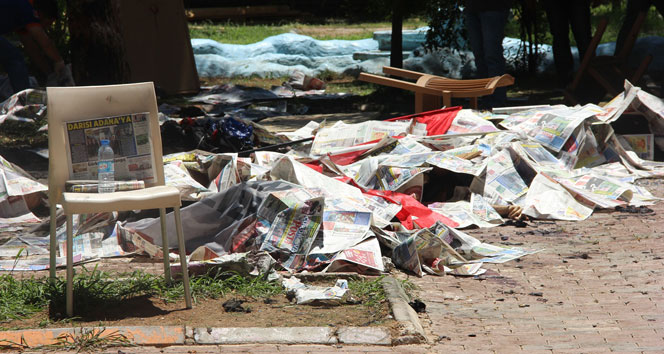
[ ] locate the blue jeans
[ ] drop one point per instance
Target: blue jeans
(563, 15)
(11, 60)
(486, 31)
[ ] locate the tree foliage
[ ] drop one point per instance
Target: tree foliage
(446, 29)
(532, 28)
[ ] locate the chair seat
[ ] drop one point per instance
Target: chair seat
(148, 198)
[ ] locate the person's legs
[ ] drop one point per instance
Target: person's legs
(631, 13)
(579, 16)
(474, 28)
(493, 33)
(12, 61)
(559, 27)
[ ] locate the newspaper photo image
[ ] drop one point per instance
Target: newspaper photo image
(129, 137)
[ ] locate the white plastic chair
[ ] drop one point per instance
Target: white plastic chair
(66, 104)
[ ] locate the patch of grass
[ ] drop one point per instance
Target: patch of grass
(21, 298)
(350, 86)
(84, 340)
(11, 345)
(217, 284)
(369, 292)
(253, 81)
(94, 289)
(90, 339)
(336, 83)
(409, 287)
(233, 33)
(652, 25)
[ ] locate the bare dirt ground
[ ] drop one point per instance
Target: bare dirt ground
(275, 311)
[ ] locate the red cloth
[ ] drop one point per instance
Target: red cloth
(410, 207)
(437, 121)
(315, 166)
(346, 158)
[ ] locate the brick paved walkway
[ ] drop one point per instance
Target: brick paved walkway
(597, 287)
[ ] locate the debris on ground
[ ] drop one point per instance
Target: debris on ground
(234, 305)
(418, 306)
(361, 197)
(316, 295)
(634, 210)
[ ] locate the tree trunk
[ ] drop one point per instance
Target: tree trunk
(97, 50)
(396, 48)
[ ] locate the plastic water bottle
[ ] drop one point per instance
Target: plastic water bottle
(106, 168)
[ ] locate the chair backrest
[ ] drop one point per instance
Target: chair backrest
(69, 104)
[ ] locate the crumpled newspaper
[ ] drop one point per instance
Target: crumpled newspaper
(307, 294)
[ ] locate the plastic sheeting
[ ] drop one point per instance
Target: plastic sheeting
(282, 54)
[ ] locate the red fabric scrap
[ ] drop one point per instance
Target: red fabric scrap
(346, 158)
(437, 121)
(315, 166)
(410, 207)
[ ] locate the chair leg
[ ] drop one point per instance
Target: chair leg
(164, 242)
(70, 267)
(473, 103)
(53, 242)
(183, 257)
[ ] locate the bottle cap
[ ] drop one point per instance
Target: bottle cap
(104, 141)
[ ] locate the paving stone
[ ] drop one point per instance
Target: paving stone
(200, 349)
(364, 335)
(592, 305)
(284, 335)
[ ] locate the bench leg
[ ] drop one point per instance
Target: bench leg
(447, 99)
(473, 103)
(424, 102)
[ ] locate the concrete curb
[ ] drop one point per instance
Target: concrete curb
(177, 335)
(411, 331)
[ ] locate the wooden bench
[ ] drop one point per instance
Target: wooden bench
(430, 89)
